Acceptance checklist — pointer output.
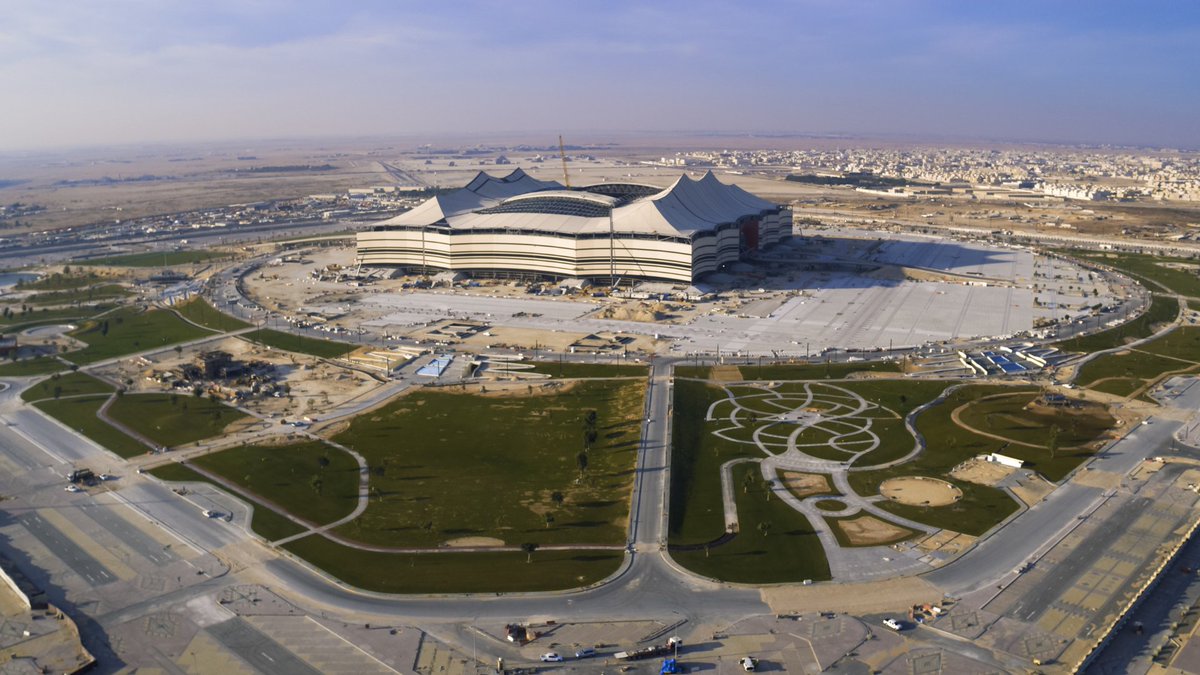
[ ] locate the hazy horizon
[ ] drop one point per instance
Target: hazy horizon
(133, 72)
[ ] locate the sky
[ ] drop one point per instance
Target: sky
(82, 72)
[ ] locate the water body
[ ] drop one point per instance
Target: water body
(9, 279)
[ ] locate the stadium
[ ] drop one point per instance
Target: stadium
(520, 226)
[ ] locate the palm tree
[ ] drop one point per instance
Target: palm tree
(529, 548)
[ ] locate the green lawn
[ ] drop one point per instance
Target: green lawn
(788, 550)
(1124, 373)
(326, 349)
(129, 330)
(88, 294)
(1007, 416)
(42, 365)
(19, 320)
(797, 371)
(173, 419)
(1162, 310)
(505, 572)
(286, 475)
(265, 522)
(448, 465)
(697, 515)
(80, 414)
(981, 507)
(198, 310)
(157, 259)
(67, 384)
(1177, 274)
(570, 370)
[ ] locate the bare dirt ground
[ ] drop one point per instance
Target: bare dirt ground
(919, 491)
(860, 598)
(981, 472)
(1032, 488)
(871, 531)
(467, 542)
(805, 484)
(946, 541)
(315, 385)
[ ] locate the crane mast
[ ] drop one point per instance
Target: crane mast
(562, 152)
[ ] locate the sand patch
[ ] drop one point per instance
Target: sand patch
(725, 374)
(1032, 488)
(981, 472)
(920, 491)
(805, 484)
(862, 598)
(871, 531)
(474, 542)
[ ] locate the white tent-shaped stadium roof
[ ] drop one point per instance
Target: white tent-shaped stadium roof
(685, 207)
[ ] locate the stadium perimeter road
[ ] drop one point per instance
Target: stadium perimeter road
(259, 651)
(67, 550)
(129, 535)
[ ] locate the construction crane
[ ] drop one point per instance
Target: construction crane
(562, 152)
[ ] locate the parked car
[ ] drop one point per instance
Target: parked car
(551, 657)
(584, 653)
(749, 664)
(892, 623)
(73, 488)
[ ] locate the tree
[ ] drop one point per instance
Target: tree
(549, 520)
(581, 460)
(557, 497)
(770, 487)
(529, 548)
(323, 462)
(178, 350)
(316, 484)
(57, 391)
(1052, 440)
(764, 527)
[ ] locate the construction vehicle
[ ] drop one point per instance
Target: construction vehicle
(671, 646)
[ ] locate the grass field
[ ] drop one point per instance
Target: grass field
(775, 542)
(20, 320)
(265, 522)
(504, 572)
(326, 349)
(157, 259)
(287, 475)
(127, 331)
(696, 513)
(89, 294)
(173, 419)
(1006, 416)
(1162, 310)
(449, 465)
(80, 415)
(797, 371)
(570, 370)
(42, 365)
(1177, 274)
(67, 384)
(1125, 372)
(200, 311)
(981, 507)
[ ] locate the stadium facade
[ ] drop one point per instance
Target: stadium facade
(518, 225)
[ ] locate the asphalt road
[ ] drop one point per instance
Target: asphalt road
(67, 550)
(1036, 530)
